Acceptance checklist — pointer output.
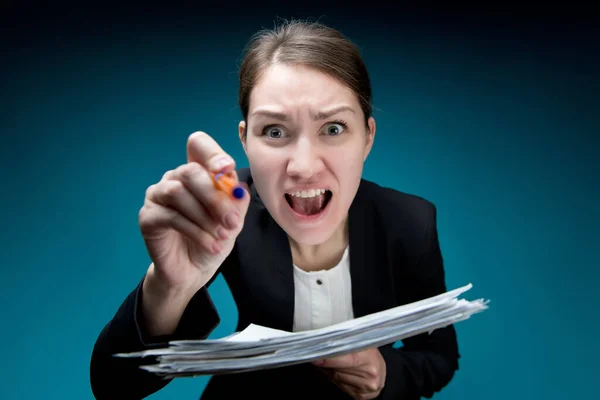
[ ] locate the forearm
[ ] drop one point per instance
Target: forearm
(162, 308)
(116, 377)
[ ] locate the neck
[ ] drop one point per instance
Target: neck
(324, 255)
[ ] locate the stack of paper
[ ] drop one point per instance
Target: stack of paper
(258, 347)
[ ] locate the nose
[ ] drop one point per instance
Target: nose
(305, 160)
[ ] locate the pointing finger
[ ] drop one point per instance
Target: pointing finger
(204, 150)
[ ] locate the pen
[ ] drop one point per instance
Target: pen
(226, 184)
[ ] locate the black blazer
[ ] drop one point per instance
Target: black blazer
(395, 259)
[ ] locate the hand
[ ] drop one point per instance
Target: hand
(189, 227)
(361, 374)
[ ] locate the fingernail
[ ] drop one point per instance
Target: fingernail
(221, 163)
(231, 220)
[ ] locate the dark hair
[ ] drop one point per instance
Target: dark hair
(307, 43)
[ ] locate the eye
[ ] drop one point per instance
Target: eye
(273, 132)
(335, 129)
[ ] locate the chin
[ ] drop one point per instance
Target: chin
(310, 237)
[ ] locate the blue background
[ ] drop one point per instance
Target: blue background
(494, 122)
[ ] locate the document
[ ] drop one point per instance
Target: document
(259, 347)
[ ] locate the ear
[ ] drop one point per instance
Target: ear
(370, 137)
(242, 134)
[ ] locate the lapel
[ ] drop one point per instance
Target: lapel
(280, 262)
(362, 240)
(373, 265)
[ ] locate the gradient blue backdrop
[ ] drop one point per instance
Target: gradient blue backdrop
(498, 129)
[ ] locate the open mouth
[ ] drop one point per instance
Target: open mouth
(309, 202)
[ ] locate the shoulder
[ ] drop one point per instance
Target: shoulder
(405, 223)
(398, 210)
(406, 227)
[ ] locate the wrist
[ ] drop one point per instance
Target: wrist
(163, 305)
(159, 288)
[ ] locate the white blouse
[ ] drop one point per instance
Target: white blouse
(323, 298)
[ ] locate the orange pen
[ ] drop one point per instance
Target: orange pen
(228, 185)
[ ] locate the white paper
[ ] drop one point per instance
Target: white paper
(255, 333)
(259, 347)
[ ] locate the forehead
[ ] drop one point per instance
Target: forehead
(297, 87)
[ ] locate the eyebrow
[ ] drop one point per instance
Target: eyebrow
(271, 114)
(317, 117)
(329, 113)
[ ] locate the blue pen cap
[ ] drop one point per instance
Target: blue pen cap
(238, 192)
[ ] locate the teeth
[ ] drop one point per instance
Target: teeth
(307, 193)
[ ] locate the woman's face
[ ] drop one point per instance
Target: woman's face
(306, 143)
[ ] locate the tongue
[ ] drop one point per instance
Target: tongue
(307, 205)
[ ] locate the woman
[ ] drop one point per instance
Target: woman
(310, 244)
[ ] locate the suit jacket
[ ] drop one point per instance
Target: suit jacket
(395, 259)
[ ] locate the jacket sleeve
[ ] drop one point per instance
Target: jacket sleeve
(427, 362)
(115, 377)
